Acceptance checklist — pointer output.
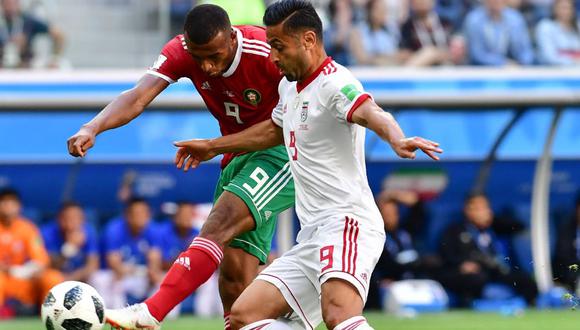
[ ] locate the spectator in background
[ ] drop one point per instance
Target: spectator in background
(425, 38)
(400, 259)
(558, 37)
(72, 244)
(497, 35)
(542, 8)
(397, 11)
(473, 256)
(176, 235)
(454, 11)
(567, 256)
(18, 30)
(131, 256)
(337, 33)
(25, 277)
(372, 42)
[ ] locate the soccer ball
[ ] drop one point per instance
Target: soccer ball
(73, 305)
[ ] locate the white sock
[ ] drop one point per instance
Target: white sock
(263, 324)
(278, 325)
(357, 322)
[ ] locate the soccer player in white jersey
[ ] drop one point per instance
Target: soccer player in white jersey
(321, 119)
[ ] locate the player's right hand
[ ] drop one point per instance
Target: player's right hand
(191, 153)
(81, 142)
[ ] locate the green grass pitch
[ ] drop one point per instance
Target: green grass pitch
(456, 320)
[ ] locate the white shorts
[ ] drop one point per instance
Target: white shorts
(344, 248)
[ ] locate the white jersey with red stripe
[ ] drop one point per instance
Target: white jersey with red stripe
(325, 148)
(343, 248)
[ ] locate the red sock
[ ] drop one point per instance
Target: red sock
(192, 268)
(227, 325)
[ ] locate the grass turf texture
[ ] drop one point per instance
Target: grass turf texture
(456, 320)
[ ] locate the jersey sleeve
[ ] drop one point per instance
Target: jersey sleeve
(278, 112)
(170, 65)
(342, 94)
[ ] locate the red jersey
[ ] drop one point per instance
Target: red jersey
(244, 95)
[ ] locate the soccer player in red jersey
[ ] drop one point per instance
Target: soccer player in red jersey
(230, 68)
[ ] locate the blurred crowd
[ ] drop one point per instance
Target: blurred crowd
(372, 32)
(453, 32)
(125, 257)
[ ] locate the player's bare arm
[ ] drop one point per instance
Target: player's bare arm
(119, 112)
(371, 116)
(260, 136)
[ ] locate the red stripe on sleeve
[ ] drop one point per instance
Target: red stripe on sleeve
(355, 106)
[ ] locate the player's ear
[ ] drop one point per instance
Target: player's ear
(309, 39)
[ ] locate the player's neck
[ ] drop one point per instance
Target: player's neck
(318, 58)
(233, 54)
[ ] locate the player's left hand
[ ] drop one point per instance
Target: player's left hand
(406, 147)
(191, 153)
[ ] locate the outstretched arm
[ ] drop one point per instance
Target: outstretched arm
(260, 136)
(119, 112)
(371, 116)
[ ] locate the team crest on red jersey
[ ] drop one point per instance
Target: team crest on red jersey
(252, 96)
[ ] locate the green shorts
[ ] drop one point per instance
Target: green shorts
(262, 179)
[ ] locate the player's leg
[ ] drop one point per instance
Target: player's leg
(349, 251)
(235, 212)
(229, 218)
(283, 296)
(342, 305)
(260, 304)
(237, 271)
(265, 184)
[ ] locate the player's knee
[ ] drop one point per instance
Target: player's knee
(335, 310)
(332, 316)
(216, 228)
(240, 316)
(222, 225)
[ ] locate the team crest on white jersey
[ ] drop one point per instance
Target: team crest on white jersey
(304, 112)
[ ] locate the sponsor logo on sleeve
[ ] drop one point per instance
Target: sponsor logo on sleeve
(350, 91)
(160, 60)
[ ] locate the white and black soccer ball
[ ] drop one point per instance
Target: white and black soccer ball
(73, 305)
